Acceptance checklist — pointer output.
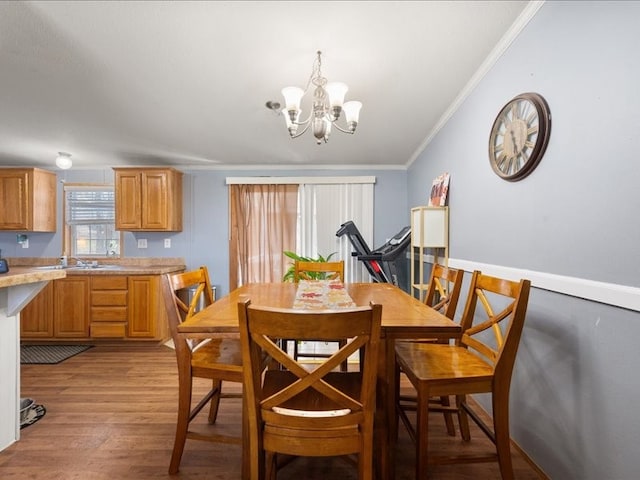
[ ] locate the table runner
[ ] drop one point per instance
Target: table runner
(322, 294)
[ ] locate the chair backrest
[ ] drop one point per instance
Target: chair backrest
(500, 348)
(176, 290)
(444, 289)
(259, 329)
(318, 271)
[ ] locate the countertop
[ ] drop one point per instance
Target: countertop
(22, 275)
(110, 266)
(125, 270)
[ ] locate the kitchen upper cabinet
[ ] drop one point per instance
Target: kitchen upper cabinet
(27, 200)
(148, 199)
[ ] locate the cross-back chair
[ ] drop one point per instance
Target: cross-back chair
(443, 293)
(299, 411)
(318, 271)
(218, 359)
(478, 362)
(444, 289)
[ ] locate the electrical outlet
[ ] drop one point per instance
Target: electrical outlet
(167, 243)
(142, 243)
(25, 244)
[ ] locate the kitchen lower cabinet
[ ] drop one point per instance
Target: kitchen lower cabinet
(147, 316)
(109, 304)
(71, 307)
(60, 310)
(36, 319)
(101, 307)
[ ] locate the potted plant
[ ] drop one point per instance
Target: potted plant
(288, 276)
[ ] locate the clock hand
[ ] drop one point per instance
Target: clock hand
(513, 140)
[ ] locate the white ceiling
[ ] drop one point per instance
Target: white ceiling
(185, 83)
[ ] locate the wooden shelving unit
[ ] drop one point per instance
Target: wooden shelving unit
(429, 236)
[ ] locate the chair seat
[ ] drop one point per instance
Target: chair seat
(218, 358)
(449, 364)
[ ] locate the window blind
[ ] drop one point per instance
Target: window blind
(90, 206)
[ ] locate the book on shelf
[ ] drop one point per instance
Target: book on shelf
(439, 191)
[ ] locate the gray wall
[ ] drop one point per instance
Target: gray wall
(204, 239)
(576, 383)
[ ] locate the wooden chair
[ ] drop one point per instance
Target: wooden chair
(472, 365)
(295, 411)
(218, 359)
(318, 271)
(443, 292)
(444, 289)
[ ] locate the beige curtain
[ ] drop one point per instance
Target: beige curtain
(263, 226)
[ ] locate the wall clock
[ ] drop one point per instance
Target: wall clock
(519, 136)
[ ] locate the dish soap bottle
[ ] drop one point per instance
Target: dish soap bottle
(4, 266)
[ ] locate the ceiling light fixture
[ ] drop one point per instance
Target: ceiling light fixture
(63, 160)
(328, 104)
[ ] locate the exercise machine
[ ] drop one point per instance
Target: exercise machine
(385, 264)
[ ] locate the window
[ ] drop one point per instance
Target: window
(322, 208)
(323, 204)
(90, 221)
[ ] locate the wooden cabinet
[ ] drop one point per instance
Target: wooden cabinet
(116, 307)
(71, 307)
(147, 316)
(148, 199)
(429, 235)
(27, 200)
(36, 319)
(108, 306)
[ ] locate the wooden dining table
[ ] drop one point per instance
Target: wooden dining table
(403, 317)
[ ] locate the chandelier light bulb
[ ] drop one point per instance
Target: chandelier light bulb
(352, 111)
(336, 91)
(292, 97)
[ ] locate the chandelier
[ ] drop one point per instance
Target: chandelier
(328, 105)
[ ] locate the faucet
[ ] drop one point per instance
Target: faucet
(80, 262)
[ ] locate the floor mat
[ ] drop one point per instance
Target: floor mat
(34, 414)
(49, 354)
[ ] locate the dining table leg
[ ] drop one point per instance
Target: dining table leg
(386, 418)
(246, 454)
(390, 407)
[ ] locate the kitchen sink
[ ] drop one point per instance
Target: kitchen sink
(94, 267)
(79, 267)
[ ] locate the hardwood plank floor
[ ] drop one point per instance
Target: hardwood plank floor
(111, 414)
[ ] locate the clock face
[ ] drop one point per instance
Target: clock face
(519, 136)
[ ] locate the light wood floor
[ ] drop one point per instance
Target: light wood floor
(111, 415)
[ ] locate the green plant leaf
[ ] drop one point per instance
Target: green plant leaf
(289, 274)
